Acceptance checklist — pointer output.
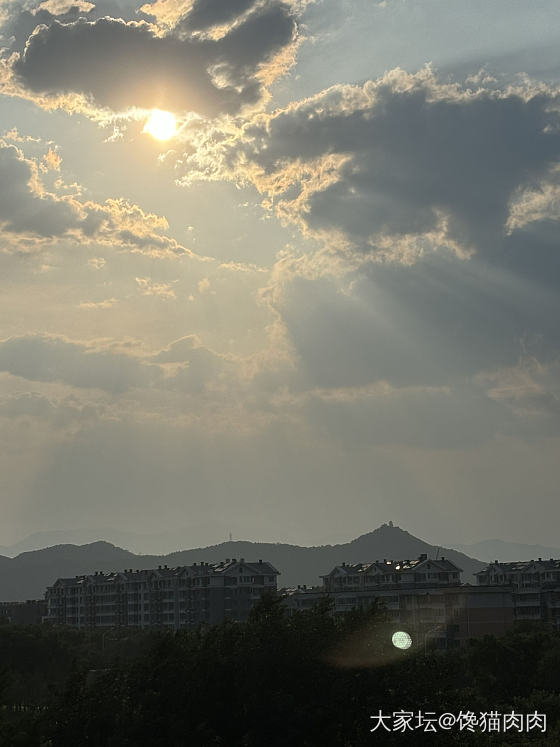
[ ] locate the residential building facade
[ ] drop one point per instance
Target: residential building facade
(423, 596)
(181, 597)
(535, 587)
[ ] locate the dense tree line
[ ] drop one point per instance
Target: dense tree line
(308, 680)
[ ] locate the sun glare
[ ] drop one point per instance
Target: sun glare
(161, 125)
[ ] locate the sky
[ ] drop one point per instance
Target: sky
(318, 294)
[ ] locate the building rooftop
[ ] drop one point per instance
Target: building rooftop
(521, 566)
(394, 566)
(230, 565)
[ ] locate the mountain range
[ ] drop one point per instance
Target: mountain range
(28, 574)
(154, 543)
(203, 535)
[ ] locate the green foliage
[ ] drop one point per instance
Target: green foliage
(310, 679)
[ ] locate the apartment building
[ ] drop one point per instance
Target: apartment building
(182, 597)
(535, 587)
(422, 571)
(30, 612)
(423, 596)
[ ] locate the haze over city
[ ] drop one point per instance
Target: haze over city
(282, 269)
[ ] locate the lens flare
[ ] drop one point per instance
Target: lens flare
(401, 640)
(161, 125)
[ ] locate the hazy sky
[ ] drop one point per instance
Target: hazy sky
(328, 300)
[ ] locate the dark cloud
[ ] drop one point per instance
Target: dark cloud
(20, 19)
(20, 25)
(207, 13)
(426, 324)
(410, 157)
(391, 171)
(124, 64)
(533, 252)
(50, 358)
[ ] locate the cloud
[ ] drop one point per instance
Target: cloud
(51, 161)
(452, 191)
(530, 389)
(97, 263)
(31, 214)
(203, 286)
(51, 358)
(421, 417)
(107, 303)
(59, 7)
(400, 165)
(207, 13)
(150, 288)
(202, 15)
(121, 64)
(21, 19)
(59, 412)
(185, 367)
(178, 351)
(537, 203)
(200, 368)
(23, 209)
(426, 324)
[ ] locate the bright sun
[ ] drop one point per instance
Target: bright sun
(161, 125)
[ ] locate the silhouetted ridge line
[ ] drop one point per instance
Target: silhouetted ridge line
(27, 575)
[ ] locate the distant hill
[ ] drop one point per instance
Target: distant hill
(27, 575)
(41, 540)
(495, 549)
(156, 543)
